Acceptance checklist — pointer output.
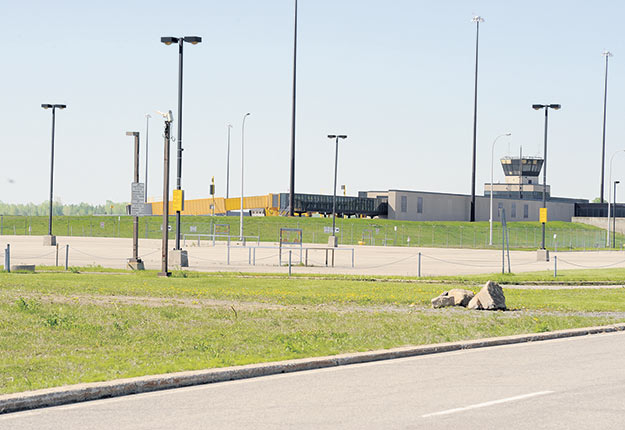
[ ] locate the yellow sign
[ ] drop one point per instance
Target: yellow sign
(178, 201)
(543, 215)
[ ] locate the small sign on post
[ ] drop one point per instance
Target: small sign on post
(178, 201)
(138, 207)
(543, 215)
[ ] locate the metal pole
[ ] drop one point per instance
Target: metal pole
(135, 223)
(179, 169)
(290, 262)
(67, 257)
(292, 177)
(607, 55)
(165, 235)
(419, 265)
(228, 165)
(614, 217)
(336, 164)
(555, 266)
(545, 174)
(242, 165)
(477, 43)
(147, 127)
(51, 172)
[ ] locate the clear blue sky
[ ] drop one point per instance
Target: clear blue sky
(396, 76)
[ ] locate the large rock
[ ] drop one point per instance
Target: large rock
(461, 297)
(489, 298)
(443, 301)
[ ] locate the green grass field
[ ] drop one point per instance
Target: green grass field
(352, 231)
(64, 328)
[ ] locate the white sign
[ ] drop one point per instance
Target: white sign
(328, 230)
(193, 229)
(138, 207)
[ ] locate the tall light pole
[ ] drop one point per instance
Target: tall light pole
(607, 242)
(242, 153)
(492, 158)
(228, 165)
(292, 177)
(147, 128)
(607, 55)
(169, 118)
(194, 40)
(614, 217)
(50, 240)
(546, 107)
(336, 164)
(476, 20)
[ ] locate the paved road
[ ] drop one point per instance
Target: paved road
(369, 260)
(576, 383)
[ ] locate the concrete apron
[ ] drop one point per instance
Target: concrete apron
(122, 387)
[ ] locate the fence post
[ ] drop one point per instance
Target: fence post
(57, 255)
(555, 266)
(419, 266)
(7, 258)
(290, 262)
(67, 257)
(228, 252)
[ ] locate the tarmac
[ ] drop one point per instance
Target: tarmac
(265, 257)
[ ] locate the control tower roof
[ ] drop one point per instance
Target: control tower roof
(531, 166)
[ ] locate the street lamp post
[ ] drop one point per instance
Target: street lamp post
(614, 217)
(147, 127)
(333, 241)
(242, 153)
(292, 176)
(492, 158)
(546, 107)
(607, 242)
(50, 240)
(194, 40)
(228, 164)
(607, 55)
(477, 20)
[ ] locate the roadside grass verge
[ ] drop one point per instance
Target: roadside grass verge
(45, 344)
(65, 328)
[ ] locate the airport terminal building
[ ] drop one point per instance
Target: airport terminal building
(520, 195)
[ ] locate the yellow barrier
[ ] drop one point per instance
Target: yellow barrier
(222, 205)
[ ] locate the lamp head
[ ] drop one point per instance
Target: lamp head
(60, 106)
(555, 106)
(193, 40)
(169, 40)
(537, 107)
(477, 18)
(132, 133)
(342, 136)
(46, 106)
(331, 136)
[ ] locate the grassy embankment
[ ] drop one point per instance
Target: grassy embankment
(352, 231)
(62, 328)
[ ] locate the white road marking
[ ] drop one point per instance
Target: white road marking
(485, 404)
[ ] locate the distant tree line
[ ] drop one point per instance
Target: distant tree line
(58, 208)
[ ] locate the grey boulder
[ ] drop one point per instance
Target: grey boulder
(461, 297)
(442, 301)
(490, 298)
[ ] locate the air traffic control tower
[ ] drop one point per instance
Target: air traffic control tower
(521, 179)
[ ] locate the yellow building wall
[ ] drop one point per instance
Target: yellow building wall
(222, 205)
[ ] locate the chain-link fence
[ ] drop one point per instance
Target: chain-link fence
(317, 230)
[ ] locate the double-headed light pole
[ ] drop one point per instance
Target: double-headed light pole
(546, 107)
(193, 40)
(50, 240)
(607, 242)
(336, 137)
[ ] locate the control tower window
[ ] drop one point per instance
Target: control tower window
(404, 203)
(526, 211)
(419, 205)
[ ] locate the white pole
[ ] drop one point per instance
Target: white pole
(242, 149)
(492, 158)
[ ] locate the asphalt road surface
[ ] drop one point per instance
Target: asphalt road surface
(575, 383)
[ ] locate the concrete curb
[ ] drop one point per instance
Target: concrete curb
(122, 387)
